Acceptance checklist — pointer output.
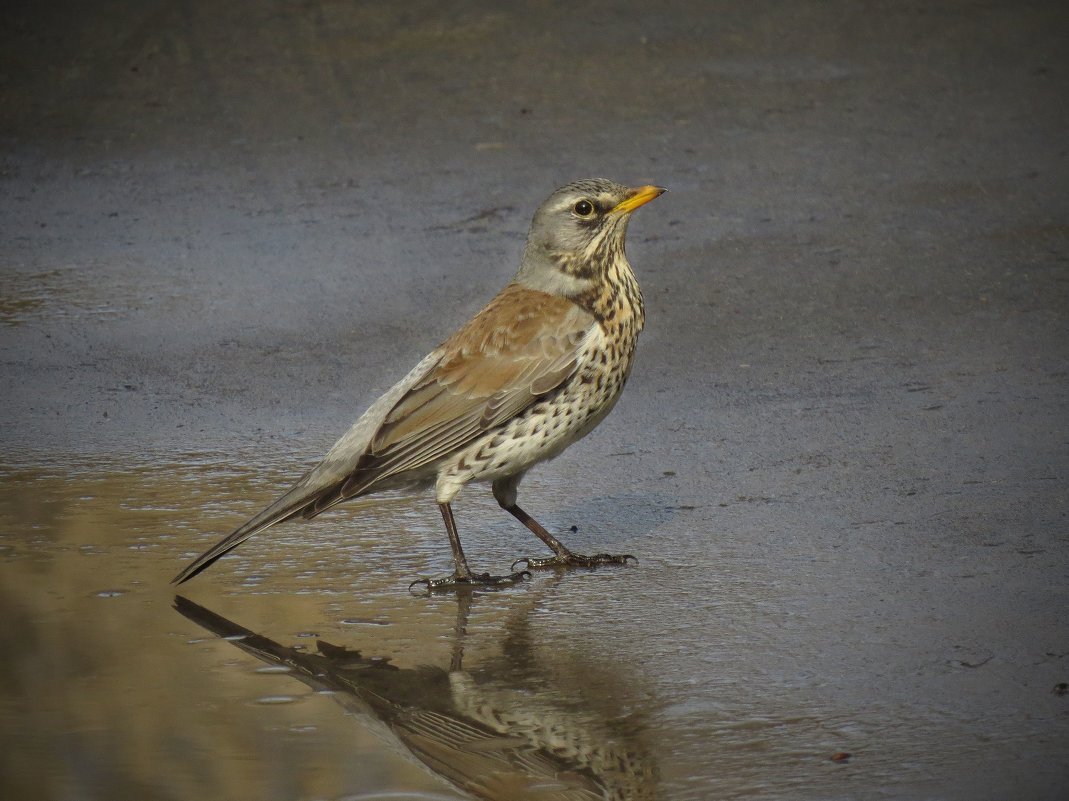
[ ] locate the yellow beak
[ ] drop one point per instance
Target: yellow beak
(639, 197)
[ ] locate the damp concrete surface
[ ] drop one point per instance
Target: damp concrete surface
(842, 459)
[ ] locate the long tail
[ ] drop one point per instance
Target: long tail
(319, 488)
(282, 509)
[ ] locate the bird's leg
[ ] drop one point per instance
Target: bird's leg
(462, 575)
(563, 556)
(462, 571)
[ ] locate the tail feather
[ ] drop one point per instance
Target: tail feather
(276, 513)
(322, 481)
(303, 498)
(322, 478)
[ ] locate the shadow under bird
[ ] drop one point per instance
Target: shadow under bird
(537, 369)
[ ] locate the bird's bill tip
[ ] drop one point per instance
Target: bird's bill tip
(639, 197)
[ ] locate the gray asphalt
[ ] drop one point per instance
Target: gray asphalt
(844, 449)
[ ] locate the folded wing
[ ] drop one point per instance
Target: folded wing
(522, 346)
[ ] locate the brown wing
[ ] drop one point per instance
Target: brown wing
(523, 345)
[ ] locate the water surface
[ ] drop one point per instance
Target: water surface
(303, 668)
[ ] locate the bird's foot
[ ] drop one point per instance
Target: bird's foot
(471, 580)
(570, 559)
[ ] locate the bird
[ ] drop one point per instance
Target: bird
(534, 371)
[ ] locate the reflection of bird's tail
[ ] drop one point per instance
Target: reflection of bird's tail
(217, 624)
(249, 641)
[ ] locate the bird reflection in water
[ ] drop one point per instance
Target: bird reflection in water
(495, 732)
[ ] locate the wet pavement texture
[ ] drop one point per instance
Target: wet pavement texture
(842, 459)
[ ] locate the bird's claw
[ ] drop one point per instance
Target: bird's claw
(456, 581)
(574, 560)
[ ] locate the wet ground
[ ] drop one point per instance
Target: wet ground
(842, 458)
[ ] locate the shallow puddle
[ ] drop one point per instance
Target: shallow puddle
(303, 668)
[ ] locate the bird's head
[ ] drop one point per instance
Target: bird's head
(578, 232)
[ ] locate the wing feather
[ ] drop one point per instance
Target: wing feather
(523, 345)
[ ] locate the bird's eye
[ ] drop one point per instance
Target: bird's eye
(584, 208)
